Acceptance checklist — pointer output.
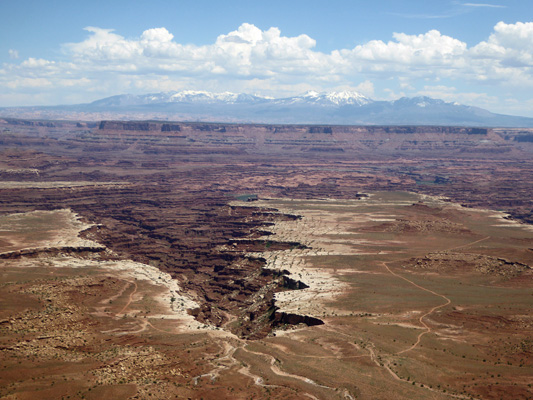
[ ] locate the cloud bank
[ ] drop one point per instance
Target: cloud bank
(264, 61)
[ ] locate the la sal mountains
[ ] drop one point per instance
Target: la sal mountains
(339, 108)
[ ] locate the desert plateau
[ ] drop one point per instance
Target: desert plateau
(188, 260)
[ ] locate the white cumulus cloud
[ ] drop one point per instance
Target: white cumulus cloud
(428, 48)
(510, 44)
(266, 61)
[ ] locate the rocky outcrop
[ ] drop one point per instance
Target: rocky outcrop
(81, 252)
(170, 128)
(128, 126)
(48, 124)
(321, 129)
(282, 318)
(524, 138)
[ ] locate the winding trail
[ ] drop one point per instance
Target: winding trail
(130, 299)
(279, 372)
(421, 319)
(375, 359)
(447, 300)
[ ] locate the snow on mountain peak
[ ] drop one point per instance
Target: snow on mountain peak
(202, 96)
(329, 98)
(347, 97)
(312, 97)
(311, 94)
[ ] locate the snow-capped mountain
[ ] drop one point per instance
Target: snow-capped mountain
(193, 96)
(203, 97)
(184, 96)
(420, 101)
(339, 108)
(328, 98)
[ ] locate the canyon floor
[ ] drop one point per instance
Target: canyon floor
(196, 262)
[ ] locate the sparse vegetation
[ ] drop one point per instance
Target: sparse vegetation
(378, 269)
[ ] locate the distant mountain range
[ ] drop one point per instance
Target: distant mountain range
(310, 98)
(339, 108)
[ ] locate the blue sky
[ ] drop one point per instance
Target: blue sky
(473, 52)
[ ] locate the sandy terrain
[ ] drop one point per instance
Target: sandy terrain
(121, 328)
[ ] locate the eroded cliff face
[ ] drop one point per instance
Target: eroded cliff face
(196, 237)
(194, 138)
(22, 122)
(291, 129)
